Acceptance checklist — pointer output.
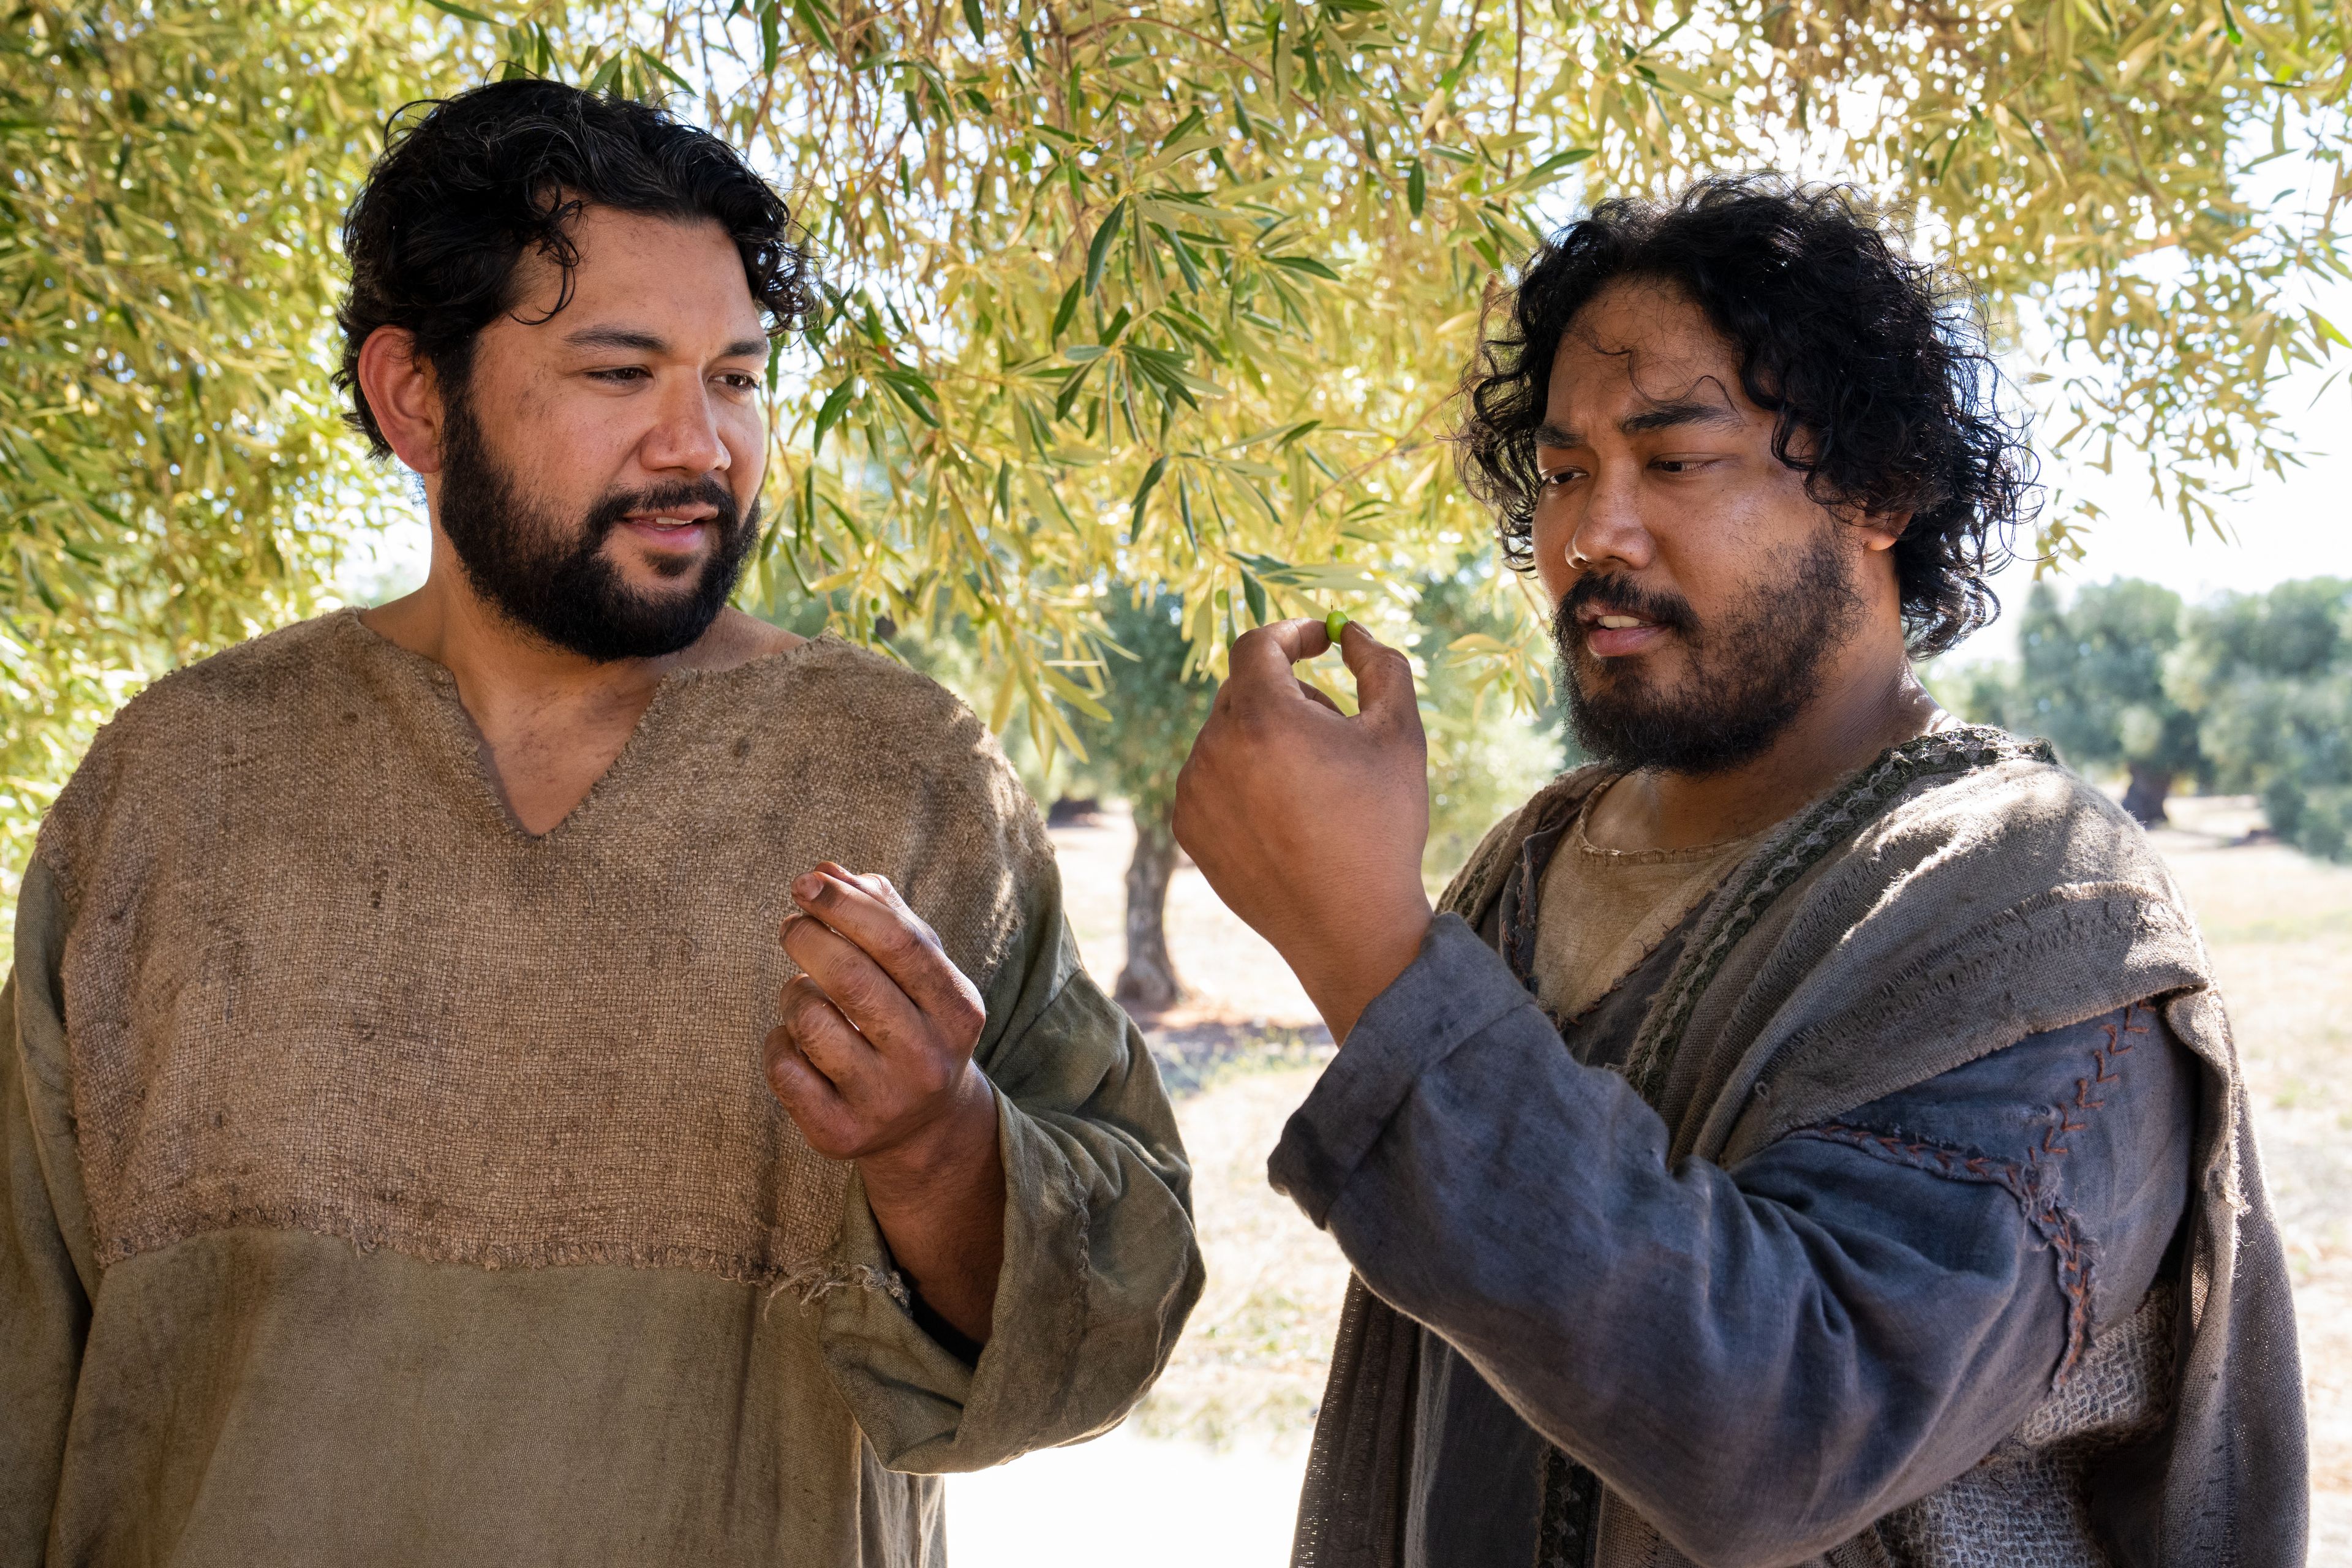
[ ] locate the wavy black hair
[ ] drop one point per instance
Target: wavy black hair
(461, 192)
(1879, 360)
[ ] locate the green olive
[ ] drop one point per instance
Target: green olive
(1335, 623)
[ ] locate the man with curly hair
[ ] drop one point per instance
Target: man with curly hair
(1811, 1131)
(553, 1069)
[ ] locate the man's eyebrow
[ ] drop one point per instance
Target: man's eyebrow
(617, 338)
(1666, 416)
(633, 341)
(1550, 435)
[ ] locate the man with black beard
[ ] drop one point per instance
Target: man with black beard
(1809, 1132)
(560, 579)
(553, 1069)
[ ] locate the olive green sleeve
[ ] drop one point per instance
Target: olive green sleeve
(45, 1274)
(1100, 1264)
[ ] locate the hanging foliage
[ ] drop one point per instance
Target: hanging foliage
(1173, 292)
(1177, 290)
(173, 472)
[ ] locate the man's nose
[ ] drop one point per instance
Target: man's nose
(1612, 529)
(685, 437)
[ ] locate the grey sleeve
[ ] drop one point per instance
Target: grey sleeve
(1101, 1269)
(45, 1278)
(1760, 1360)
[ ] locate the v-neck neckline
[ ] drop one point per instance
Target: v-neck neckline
(475, 764)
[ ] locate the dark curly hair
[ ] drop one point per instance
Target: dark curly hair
(436, 233)
(1879, 360)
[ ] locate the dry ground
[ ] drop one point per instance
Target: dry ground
(1239, 1057)
(1231, 1412)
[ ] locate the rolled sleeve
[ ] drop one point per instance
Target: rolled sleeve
(1101, 1267)
(1454, 989)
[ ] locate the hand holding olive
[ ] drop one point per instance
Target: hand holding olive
(1294, 810)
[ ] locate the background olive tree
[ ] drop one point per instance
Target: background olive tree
(1170, 293)
(2248, 693)
(1157, 701)
(2090, 677)
(2270, 677)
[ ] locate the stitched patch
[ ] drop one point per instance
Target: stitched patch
(2032, 1181)
(2048, 1217)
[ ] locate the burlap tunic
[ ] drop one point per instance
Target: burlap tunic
(385, 1184)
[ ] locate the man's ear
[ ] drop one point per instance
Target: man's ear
(401, 394)
(1880, 530)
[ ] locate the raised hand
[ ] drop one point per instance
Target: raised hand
(1308, 823)
(873, 1061)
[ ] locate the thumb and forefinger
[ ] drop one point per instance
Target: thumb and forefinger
(867, 912)
(1383, 676)
(1263, 658)
(1261, 661)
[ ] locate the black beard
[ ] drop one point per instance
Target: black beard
(1749, 675)
(556, 583)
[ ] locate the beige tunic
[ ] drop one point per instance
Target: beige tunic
(1604, 911)
(383, 1184)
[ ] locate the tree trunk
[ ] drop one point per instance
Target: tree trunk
(2145, 799)
(1149, 983)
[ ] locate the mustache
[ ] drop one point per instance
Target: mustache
(608, 512)
(1620, 592)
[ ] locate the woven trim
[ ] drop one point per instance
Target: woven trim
(1804, 844)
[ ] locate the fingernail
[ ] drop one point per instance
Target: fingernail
(807, 886)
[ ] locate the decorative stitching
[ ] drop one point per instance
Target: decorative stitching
(2030, 1181)
(1807, 842)
(2019, 1179)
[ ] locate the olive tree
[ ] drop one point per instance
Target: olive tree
(1154, 703)
(1176, 291)
(1171, 292)
(2270, 678)
(2090, 677)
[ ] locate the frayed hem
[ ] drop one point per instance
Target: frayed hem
(813, 1282)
